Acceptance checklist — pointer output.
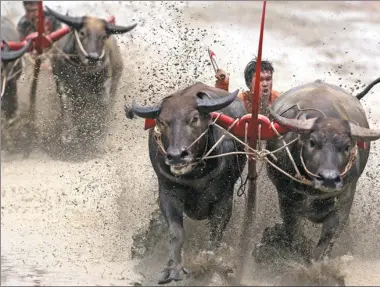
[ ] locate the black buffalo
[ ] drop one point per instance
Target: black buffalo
(11, 68)
(201, 190)
(329, 123)
(87, 66)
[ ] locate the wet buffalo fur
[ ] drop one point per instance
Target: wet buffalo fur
(86, 83)
(9, 102)
(207, 191)
(327, 143)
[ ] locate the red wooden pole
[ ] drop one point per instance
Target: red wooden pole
(40, 28)
(38, 45)
(247, 230)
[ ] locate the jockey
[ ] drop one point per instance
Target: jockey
(28, 23)
(267, 95)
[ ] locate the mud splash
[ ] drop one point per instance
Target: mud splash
(95, 221)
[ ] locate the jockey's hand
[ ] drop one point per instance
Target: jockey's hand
(220, 75)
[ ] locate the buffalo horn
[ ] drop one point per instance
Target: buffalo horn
(73, 22)
(364, 133)
(214, 102)
(296, 125)
(145, 112)
(113, 29)
(13, 55)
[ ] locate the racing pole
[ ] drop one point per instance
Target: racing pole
(37, 68)
(250, 208)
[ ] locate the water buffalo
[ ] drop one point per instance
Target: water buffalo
(200, 189)
(330, 124)
(11, 68)
(87, 67)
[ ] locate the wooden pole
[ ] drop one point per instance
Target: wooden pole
(250, 210)
(37, 68)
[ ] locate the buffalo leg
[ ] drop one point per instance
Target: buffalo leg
(68, 132)
(174, 218)
(334, 224)
(290, 220)
(220, 216)
(9, 101)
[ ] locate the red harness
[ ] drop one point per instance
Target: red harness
(269, 129)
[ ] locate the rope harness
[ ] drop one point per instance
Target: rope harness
(259, 155)
(81, 46)
(68, 57)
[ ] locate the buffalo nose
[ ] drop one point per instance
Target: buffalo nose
(330, 178)
(93, 56)
(176, 154)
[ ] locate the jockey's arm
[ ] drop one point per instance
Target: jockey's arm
(222, 80)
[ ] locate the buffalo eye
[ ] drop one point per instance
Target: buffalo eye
(195, 120)
(82, 33)
(162, 123)
(347, 148)
(312, 143)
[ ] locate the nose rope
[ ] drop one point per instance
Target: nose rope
(82, 48)
(258, 154)
(351, 160)
(158, 138)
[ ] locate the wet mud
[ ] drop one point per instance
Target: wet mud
(90, 216)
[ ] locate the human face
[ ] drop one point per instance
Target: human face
(265, 83)
(32, 13)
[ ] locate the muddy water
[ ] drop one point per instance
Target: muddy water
(67, 222)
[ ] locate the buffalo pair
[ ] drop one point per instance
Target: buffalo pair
(87, 66)
(329, 123)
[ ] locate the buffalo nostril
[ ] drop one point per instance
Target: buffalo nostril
(329, 177)
(184, 153)
(93, 56)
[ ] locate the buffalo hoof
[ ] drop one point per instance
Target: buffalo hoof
(173, 272)
(276, 247)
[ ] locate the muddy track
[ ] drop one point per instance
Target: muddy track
(73, 219)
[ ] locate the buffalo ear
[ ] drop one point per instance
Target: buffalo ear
(145, 112)
(214, 102)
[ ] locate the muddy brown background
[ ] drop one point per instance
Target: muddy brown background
(72, 222)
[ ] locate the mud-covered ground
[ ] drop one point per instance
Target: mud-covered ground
(88, 221)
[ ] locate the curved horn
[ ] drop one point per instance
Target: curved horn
(364, 133)
(113, 29)
(145, 112)
(296, 125)
(73, 22)
(210, 104)
(13, 55)
(367, 89)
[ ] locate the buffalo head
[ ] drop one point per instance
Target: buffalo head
(326, 146)
(91, 34)
(182, 118)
